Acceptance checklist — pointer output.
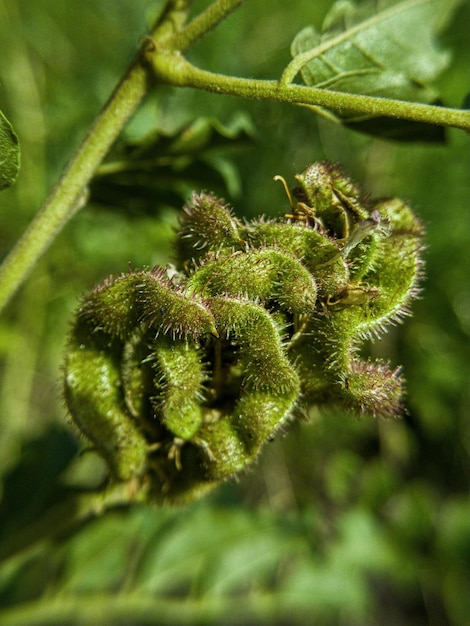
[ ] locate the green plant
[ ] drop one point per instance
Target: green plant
(356, 505)
(179, 376)
(171, 37)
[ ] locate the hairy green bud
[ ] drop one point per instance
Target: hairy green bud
(179, 376)
(207, 226)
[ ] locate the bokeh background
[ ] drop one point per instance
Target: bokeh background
(342, 521)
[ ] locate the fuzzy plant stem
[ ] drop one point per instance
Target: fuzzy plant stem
(70, 192)
(176, 70)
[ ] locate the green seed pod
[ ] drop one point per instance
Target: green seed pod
(207, 225)
(94, 397)
(265, 365)
(319, 253)
(167, 309)
(263, 274)
(179, 374)
(179, 378)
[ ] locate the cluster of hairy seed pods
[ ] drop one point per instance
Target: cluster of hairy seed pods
(178, 375)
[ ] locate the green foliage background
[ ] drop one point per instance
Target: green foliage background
(341, 521)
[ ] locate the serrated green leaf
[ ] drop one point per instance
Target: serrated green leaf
(9, 153)
(377, 48)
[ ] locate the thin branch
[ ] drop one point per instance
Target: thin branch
(202, 24)
(175, 70)
(66, 195)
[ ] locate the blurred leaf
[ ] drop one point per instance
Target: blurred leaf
(161, 168)
(208, 551)
(399, 130)
(339, 582)
(218, 552)
(232, 566)
(466, 101)
(9, 153)
(382, 49)
(33, 485)
(454, 533)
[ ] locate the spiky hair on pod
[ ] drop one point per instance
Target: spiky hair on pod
(167, 309)
(373, 388)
